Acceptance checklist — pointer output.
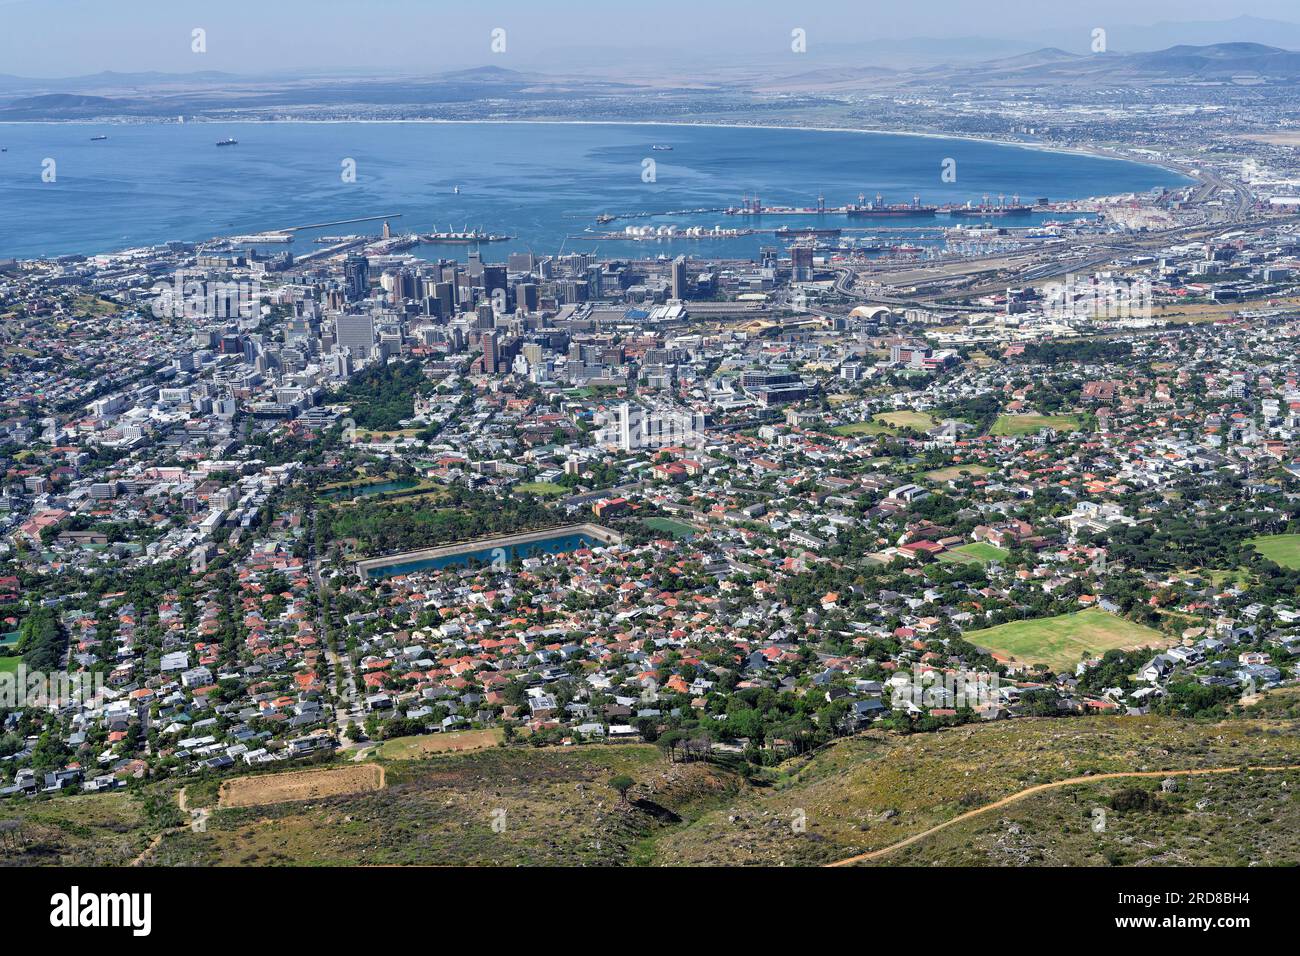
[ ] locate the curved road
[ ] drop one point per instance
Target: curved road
(1040, 788)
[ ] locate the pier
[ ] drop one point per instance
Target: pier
(338, 222)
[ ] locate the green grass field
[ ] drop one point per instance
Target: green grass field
(544, 488)
(980, 551)
(1013, 425)
(887, 423)
(1059, 641)
(677, 529)
(9, 664)
(1283, 549)
(94, 305)
(957, 471)
(906, 419)
(862, 428)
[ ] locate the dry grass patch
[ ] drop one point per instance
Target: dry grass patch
(411, 748)
(269, 788)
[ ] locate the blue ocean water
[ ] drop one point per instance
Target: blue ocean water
(544, 184)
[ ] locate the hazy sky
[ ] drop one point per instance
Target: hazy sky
(71, 37)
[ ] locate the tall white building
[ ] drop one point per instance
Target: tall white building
(630, 427)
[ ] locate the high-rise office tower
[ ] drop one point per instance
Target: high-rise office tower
(490, 355)
(494, 280)
(526, 296)
(801, 261)
(356, 333)
(679, 278)
(445, 293)
(356, 276)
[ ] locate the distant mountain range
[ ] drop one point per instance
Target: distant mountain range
(1160, 36)
(146, 95)
(1215, 62)
(1218, 62)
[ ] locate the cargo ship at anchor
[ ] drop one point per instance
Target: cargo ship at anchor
(464, 237)
(859, 210)
(989, 210)
(806, 232)
(881, 209)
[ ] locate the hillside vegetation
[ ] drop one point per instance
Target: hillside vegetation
(528, 806)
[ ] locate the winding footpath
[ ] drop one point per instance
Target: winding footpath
(153, 844)
(1041, 788)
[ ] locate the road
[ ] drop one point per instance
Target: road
(1042, 788)
(349, 710)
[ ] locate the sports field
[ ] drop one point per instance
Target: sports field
(1059, 642)
(1283, 549)
(1013, 425)
(862, 428)
(678, 529)
(957, 471)
(543, 488)
(906, 419)
(980, 551)
(887, 423)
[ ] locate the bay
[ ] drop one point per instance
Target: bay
(541, 183)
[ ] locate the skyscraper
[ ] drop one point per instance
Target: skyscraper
(490, 357)
(801, 262)
(356, 333)
(494, 280)
(356, 276)
(526, 296)
(679, 278)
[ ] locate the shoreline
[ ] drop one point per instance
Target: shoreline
(1167, 166)
(871, 131)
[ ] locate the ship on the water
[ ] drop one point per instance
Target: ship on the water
(862, 209)
(96, 139)
(262, 237)
(227, 142)
(989, 212)
(605, 217)
(662, 149)
(663, 233)
(987, 209)
(807, 232)
(464, 237)
(881, 209)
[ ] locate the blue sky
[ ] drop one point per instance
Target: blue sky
(71, 37)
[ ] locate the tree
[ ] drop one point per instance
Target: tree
(622, 783)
